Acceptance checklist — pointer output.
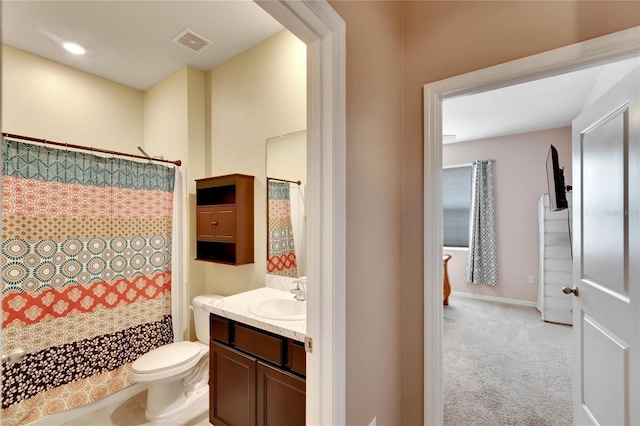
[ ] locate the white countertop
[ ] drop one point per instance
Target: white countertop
(236, 308)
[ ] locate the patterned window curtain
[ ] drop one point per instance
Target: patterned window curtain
(282, 254)
(482, 265)
(86, 268)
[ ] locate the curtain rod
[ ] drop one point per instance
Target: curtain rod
(285, 180)
(87, 148)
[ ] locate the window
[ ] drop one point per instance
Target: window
(456, 203)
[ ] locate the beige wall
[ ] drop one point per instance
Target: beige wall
(259, 94)
(47, 100)
(374, 228)
(166, 117)
(287, 157)
(174, 128)
(444, 39)
(429, 40)
(519, 177)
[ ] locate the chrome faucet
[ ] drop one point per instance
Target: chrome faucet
(300, 293)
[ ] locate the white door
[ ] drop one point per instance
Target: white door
(606, 319)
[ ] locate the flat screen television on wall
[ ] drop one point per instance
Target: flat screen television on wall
(555, 182)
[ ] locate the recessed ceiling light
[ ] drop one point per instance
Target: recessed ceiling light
(74, 48)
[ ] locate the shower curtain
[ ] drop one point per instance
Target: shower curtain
(299, 223)
(86, 264)
(281, 249)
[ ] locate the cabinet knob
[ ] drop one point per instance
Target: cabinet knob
(214, 223)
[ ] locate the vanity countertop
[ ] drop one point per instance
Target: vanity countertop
(236, 308)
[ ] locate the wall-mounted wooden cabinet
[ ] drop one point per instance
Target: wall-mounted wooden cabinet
(224, 223)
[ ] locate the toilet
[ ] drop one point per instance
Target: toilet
(178, 373)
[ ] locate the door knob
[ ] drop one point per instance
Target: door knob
(569, 290)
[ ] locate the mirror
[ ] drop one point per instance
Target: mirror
(286, 202)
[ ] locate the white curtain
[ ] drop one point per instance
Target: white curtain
(299, 224)
(482, 265)
(179, 260)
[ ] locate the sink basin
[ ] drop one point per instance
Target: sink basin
(279, 309)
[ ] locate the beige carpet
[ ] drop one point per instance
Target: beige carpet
(503, 365)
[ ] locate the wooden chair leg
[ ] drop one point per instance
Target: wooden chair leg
(446, 286)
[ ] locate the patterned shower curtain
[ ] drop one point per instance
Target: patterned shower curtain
(482, 264)
(282, 254)
(86, 275)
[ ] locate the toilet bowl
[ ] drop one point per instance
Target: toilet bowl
(177, 374)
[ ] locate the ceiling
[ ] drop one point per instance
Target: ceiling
(538, 105)
(542, 104)
(130, 42)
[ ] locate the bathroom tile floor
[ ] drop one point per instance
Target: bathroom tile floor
(130, 412)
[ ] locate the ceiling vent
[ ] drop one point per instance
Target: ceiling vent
(192, 41)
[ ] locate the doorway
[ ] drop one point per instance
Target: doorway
(324, 33)
(610, 48)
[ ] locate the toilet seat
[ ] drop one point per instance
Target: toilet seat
(166, 357)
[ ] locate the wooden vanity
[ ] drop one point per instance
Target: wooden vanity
(255, 377)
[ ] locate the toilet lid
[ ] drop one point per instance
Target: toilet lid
(168, 356)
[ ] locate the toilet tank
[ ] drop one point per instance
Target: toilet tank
(201, 316)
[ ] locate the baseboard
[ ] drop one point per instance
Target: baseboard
(494, 299)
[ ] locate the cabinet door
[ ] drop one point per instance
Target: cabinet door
(281, 397)
(232, 387)
(205, 223)
(217, 223)
(226, 219)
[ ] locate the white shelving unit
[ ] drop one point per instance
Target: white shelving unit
(556, 263)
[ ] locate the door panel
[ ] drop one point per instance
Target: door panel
(226, 229)
(606, 163)
(604, 352)
(603, 153)
(206, 218)
(281, 397)
(232, 392)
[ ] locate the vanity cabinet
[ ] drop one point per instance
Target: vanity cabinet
(224, 219)
(256, 377)
(281, 397)
(232, 387)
